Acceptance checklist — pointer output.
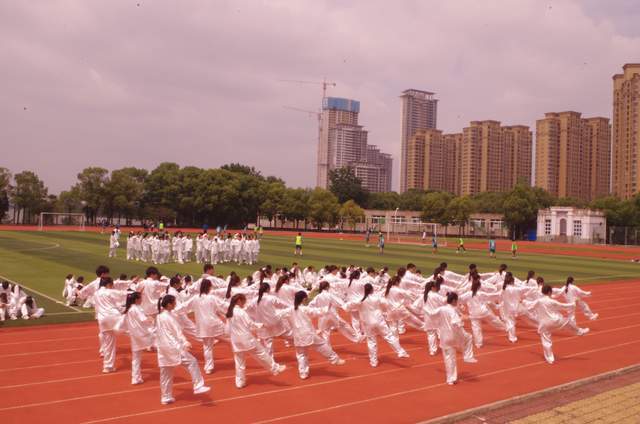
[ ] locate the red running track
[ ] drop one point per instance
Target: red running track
(53, 374)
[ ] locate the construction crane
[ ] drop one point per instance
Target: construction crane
(324, 83)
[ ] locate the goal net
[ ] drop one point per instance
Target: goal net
(49, 219)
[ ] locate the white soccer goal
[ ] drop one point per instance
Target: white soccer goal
(59, 218)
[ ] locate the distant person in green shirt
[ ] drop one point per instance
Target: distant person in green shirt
(161, 226)
(514, 249)
(298, 250)
(492, 247)
(381, 243)
(460, 245)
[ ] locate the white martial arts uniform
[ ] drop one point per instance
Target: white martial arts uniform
(304, 336)
(207, 309)
(32, 311)
(268, 312)
(142, 334)
(113, 245)
(173, 350)
(550, 318)
(479, 312)
(572, 294)
(453, 338)
(374, 325)
(427, 309)
(509, 308)
(332, 320)
(107, 304)
(241, 332)
(151, 292)
(398, 314)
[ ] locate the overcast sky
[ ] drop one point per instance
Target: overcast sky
(135, 83)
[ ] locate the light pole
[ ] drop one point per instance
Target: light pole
(395, 216)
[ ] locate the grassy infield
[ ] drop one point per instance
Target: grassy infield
(40, 261)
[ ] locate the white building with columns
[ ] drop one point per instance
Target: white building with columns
(571, 225)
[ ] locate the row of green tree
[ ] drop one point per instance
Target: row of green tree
(235, 195)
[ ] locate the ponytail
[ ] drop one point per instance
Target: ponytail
(205, 286)
(427, 288)
(566, 286)
(530, 275)
(131, 300)
(165, 300)
(324, 285)
(368, 289)
(264, 288)
(475, 285)
(392, 282)
(281, 281)
(234, 280)
(508, 280)
(354, 276)
(299, 298)
(234, 300)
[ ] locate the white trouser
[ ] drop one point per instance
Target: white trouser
(449, 357)
(432, 341)
(510, 324)
(37, 313)
(188, 326)
(355, 321)
(207, 350)
(390, 338)
(136, 366)
(261, 355)
(332, 320)
(476, 327)
(108, 349)
(545, 338)
(268, 341)
(166, 376)
(585, 308)
(112, 252)
(214, 257)
(302, 356)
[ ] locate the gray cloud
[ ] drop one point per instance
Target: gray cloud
(196, 82)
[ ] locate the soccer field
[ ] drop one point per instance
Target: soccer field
(40, 260)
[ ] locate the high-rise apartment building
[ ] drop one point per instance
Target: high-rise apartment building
(343, 143)
(432, 161)
(626, 131)
(518, 143)
(419, 112)
(572, 155)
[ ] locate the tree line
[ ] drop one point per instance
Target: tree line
(235, 195)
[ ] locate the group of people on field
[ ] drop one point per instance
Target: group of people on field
(16, 303)
(304, 307)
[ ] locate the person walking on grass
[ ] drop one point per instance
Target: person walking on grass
(434, 244)
(492, 247)
(298, 250)
(367, 237)
(381, 243)
(514, 248)
(460, 246)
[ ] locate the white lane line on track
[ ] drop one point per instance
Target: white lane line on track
(337, 380)
(58, 301)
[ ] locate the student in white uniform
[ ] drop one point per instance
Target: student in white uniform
(214, 250)
(141, 332)
(208, 310)
(332, 320)
(398, 315)
(573, 293)
(477, 303)
(151, 289)
(550, 318)
(113, 244)
(69, 284)
(453, 337)
(242, 331)
(173, 350)
(373, 324)
(304, 334)
(4, 306)
(182, 310)
(107, 303)
(426, 305)
(90, 289)
(29, 309)
(509, 308)
(267, 310)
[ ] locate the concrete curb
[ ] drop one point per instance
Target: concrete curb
(469, 413)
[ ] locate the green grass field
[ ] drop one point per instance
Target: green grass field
(40, 261)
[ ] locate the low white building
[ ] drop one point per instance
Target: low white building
(571, 225)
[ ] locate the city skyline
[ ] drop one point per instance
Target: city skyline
(199, 84)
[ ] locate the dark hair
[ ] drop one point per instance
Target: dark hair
(530, 275)
(207, 267)
(175, 281)
(368, 289)
(546, 289)
(264, 288)
(122, 277)
(69, 276)
(393, 281)
(437, 282)
(508, 280)
(232, 304)
(503, 267)
(473, 266)
(102, 269)
(540, 280)
(566, 286)
(187, 278)
(281, 281)
(165, 300)
(234, 281)
(3, 298)
(131, 300)
(401, 272)
(80, 279)
(29, 301)
(452, 297)
(370, 270)
(324, 285)
(5, 285)
(152, 270)
(475, 285)
(427, 288)
(205, 286)
(443, 266)
(410, 265)
(354, 276)
(105, 281)
(299, 298)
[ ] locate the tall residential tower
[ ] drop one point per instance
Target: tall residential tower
(419, 112)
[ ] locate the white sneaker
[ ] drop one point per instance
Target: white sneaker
(108, 370)
(471, 361)
(304, 376)
(136, 382)
(208, 372)
(167, 401)
(594, 317)
(451, 383)
(201, 390)
(241, 386)
(340, 361)
(403, 355)
(373, 364)
(583, 331)
(280, 369)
